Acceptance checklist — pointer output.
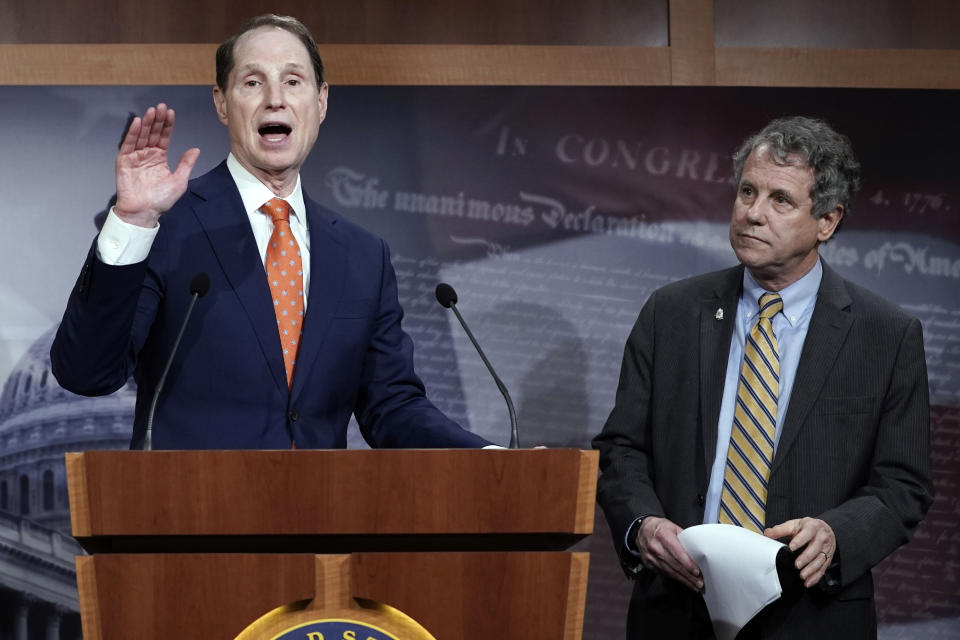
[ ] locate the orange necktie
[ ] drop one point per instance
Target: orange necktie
(285, 277)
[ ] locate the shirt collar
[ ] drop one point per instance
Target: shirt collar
(254, 193)
(797, 297)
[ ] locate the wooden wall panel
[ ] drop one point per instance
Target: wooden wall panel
(501, 42)
(860, 68)
(691, 42)
(93, 64)
(189, 64)
(559, 22)
(843, 24)
(186, 64)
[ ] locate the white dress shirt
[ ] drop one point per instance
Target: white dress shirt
(121, 243)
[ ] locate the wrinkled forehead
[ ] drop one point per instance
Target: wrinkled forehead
(269, 45)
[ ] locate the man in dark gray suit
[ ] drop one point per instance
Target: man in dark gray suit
(774, 395)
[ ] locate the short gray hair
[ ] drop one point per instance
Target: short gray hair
(224, 55)
(836, 172)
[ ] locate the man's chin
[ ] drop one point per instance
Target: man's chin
(745, 255)
(274, 165)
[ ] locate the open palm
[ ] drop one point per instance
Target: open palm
(146, 187)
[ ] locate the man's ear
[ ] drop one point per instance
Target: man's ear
(324, 92)
(827, 224)
(220, 103)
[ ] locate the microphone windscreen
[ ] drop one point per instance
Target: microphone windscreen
(446, 295)
(200, 285)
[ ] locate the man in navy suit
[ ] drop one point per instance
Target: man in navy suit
(230, 386)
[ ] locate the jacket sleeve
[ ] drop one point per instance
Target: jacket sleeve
(626, 488)
(392, 407)
(884, 512)
(108, 315)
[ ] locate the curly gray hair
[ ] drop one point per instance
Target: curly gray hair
(836, 171)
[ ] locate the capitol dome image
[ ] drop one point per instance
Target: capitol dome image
(39, 423)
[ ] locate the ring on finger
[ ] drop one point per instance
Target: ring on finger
(825, 558)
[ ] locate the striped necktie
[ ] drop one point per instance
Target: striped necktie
(285, 277)
(744, 495)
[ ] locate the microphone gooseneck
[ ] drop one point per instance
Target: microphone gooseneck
(199, 286)
(447, 297)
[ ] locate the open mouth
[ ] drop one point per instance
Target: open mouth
(274, 131)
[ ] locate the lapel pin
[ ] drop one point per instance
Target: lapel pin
(719, 314)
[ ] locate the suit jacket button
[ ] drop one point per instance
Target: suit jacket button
(701, 499)
(292, 415)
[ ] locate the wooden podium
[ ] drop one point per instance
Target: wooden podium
(201, 544)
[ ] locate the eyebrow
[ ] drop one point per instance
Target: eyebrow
(256, 67)
(786, 194)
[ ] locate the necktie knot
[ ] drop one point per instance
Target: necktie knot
(277, 209)
(770, 305)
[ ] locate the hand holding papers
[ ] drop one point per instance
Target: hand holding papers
(739, 570)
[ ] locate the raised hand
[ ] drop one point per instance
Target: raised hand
(146, 188)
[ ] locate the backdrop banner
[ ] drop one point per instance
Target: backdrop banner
(554, 212)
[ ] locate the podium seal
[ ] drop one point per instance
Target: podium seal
(335, 629)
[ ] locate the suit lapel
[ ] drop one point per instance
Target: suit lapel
(221, 215)
(328, 262)
(715, 336)
(828, 329)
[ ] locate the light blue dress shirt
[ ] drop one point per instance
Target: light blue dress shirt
(790, 327)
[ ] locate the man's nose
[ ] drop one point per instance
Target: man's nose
(757, 211)
(275, 95)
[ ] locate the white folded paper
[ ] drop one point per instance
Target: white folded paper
(739, 570)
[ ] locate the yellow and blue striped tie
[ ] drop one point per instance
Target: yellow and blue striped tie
(744, 495)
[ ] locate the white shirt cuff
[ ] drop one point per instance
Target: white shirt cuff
(121, 243)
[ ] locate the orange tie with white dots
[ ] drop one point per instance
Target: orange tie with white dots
(285, 277)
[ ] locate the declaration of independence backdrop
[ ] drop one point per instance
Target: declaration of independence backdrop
(554, 212)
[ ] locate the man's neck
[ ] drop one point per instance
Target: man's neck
(254, 192)
(280, 183)
(774, 281)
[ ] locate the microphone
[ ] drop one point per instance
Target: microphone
(447, 297)
(199, 286)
